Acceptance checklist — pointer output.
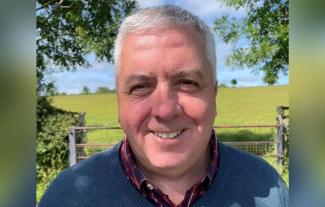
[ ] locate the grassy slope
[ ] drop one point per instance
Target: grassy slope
(250, 105)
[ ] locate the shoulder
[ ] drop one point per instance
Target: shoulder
(84, 179)
(98, 164)
(245, 163)
(250, 179)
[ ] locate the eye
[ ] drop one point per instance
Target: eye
(188, 82)
(140, 89)
(188, 85)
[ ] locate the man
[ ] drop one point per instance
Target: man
(166, 88)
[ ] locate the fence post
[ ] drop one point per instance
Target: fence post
(72, 147)
(81, 119)
(280, 135)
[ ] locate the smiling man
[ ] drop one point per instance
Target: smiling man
(166, 93)
(170, 156)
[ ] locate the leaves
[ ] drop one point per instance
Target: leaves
(52, 145)
(67, 31)
(266, 29)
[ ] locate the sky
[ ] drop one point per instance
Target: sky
(103, 73)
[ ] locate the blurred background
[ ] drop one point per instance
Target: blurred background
(22, 91)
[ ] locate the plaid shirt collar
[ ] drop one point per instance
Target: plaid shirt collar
(143, 185)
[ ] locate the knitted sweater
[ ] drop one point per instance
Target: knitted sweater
(242, 180)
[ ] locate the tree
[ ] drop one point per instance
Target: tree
(52, 90)
(85, 90)
(266, 29)
(102, 89)
(223, 85)
(234, 82)
(69, 30)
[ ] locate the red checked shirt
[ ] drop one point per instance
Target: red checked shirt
(152, 193)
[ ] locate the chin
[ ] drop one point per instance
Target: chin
(169, 161)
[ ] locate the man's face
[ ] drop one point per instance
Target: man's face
(166, 94)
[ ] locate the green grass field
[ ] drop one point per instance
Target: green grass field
(235, 106)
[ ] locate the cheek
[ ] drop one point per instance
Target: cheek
(200, 110)
(132, 115)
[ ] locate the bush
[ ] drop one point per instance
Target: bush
(52, 148)
(43, 184)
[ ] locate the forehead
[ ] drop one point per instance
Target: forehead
(164, 49)
(167, 35)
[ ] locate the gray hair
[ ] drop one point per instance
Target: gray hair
(162, 15)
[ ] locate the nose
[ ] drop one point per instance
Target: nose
(165, 104)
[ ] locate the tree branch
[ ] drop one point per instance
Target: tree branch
(47, 3)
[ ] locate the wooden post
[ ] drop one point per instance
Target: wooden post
(81, 119)
(280, 135)
(72, 147)
(81, 135)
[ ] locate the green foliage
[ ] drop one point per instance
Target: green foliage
(69, 30)
(52, 147)
(223, 85)
(241, 135)
(266, 29)
(103, 90)
(234, 82)
(85, 90)
(43, 184)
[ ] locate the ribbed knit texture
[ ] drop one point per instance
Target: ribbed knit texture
(243, 180)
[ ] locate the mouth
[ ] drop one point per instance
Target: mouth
(168, 135)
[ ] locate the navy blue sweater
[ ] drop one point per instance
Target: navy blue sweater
(243, 180)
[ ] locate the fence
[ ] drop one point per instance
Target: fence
(275, 148)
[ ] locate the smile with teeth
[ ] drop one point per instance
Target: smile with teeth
(168, 135)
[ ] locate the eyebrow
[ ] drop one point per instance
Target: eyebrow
(184, 73)
(138, 77)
